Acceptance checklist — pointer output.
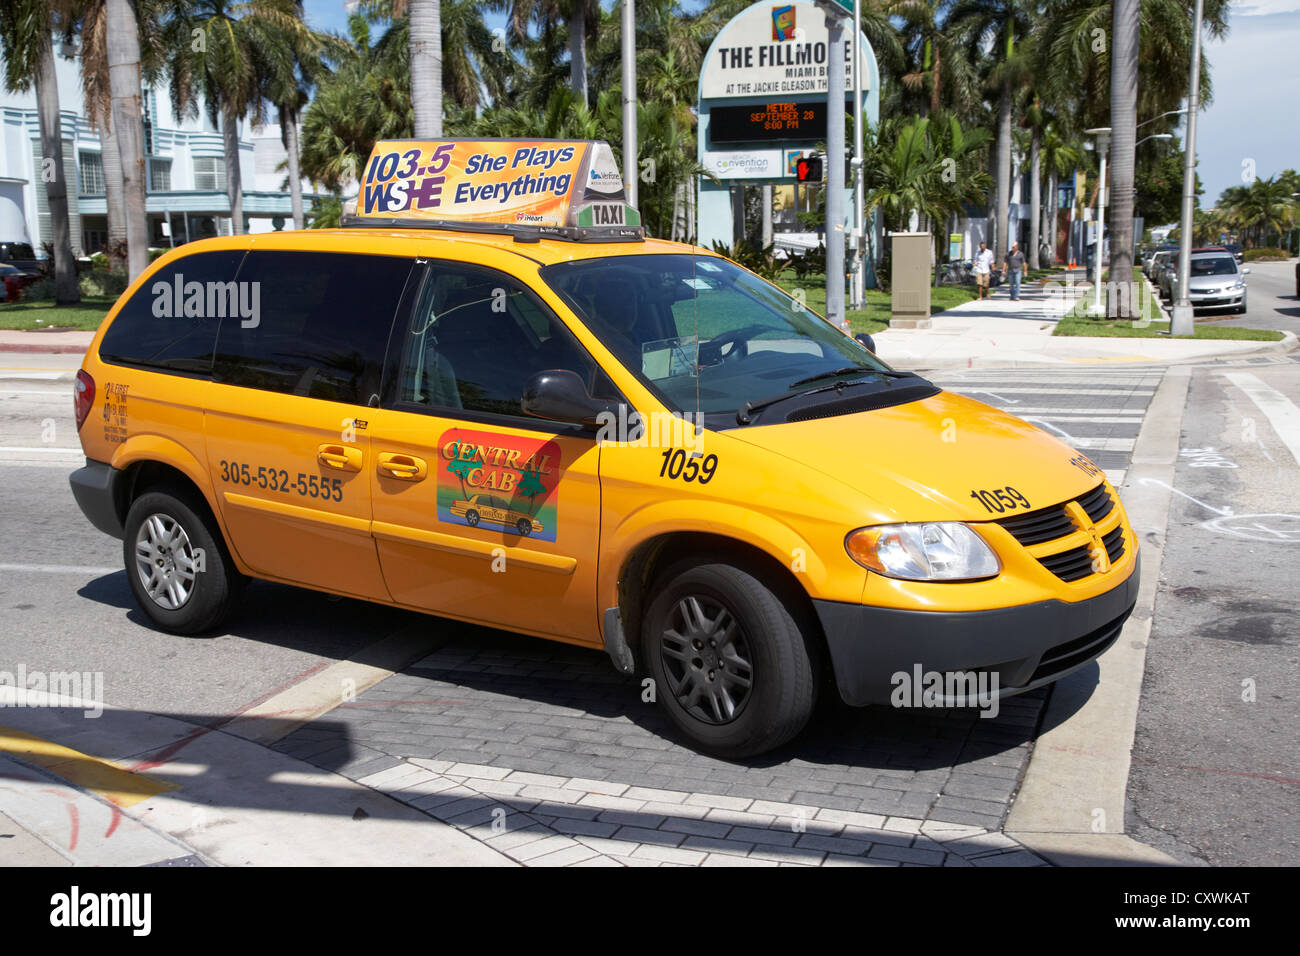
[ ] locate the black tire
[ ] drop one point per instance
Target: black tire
(214, 590)
(524, 527)
(782, 669)
(471, 518)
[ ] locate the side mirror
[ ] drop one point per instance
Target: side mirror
(559, 396)
(1246, 271)
(866, 341)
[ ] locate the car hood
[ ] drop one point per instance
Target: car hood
(927, 460)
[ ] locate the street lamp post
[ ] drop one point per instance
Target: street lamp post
(859, 279)
(1153, 136)
(1103, 144)
(835, 153)
(630, 166)
(1183, 321)
(1177, 112)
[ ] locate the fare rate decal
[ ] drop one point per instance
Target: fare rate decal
(519, 182)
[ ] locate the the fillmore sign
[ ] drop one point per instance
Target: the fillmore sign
(774, 49)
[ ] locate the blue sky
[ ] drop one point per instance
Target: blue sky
(1256, 74)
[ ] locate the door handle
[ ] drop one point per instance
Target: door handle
(402, 467)
(342, 457)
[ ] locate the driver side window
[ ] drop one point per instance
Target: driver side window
(476, 337)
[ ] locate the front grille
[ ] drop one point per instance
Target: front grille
(1069, 565)
(1098, 503)
(1035, 527)
(1114, 543)
(1054, 522)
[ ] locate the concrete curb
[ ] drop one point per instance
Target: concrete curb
(1070, 808)
(23, 348)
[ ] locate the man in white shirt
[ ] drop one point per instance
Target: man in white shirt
(983, 267)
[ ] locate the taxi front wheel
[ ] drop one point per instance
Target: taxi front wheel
(179, 570)
(732, 668)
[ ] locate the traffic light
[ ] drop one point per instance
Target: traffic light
(809, 169)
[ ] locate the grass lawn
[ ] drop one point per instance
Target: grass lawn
(876, 315)
(1081, 325)
(1079, 322)
(85, 315)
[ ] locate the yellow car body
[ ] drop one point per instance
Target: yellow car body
(343, 497)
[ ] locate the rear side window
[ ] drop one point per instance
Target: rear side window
(321, 325)
(171, 320)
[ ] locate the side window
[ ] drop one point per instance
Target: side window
(476, 338)
(321, 327)
(171, 321)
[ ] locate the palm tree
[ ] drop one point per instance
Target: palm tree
(223, 52)
(1123, 150)
(361, 102)
(426, 67)
(96, 89)
(997, 24)
(296, 68)
(1077, 47)
(1264, 205)
(26, 27)
(578, 15)
(938, 62)
(1059, 157)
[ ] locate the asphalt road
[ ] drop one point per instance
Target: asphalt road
(1271, 301)
(1215, 769)
(1213, 776)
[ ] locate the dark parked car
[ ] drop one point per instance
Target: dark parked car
(1237, 252)
(21, 256)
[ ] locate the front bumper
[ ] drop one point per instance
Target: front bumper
(1025, 646)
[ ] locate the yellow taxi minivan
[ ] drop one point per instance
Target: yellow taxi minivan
(489, 397)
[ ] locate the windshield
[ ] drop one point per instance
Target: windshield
(1215, 266)
(709, 336)
(17, 250)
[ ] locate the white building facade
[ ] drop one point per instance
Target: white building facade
(186, 197)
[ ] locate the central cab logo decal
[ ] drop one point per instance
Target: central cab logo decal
(499, 482)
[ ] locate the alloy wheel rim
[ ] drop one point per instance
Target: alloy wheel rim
(165, 561)
(706, 658)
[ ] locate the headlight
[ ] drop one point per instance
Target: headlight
(942, 551)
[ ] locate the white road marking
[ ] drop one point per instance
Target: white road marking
(56, 569)
(41, 374)
(61, 393)
(1030, 390)
(1280, 411)
(50, 449)
(1218, 511)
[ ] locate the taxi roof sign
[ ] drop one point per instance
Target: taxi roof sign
(566, 189)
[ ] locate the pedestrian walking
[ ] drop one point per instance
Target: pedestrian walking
(1015, 265)
(983, 266)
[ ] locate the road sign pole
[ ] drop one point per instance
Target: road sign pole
(859, 246)
(835, 154)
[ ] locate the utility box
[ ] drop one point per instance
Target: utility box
(910, 289)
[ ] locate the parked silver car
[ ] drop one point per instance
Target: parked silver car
(1161, 261)
(1215, 281)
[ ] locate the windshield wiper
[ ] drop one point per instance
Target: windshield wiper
(744, 415)
(849, 370)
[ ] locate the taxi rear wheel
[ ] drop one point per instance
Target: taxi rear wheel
(178, 567)
(471, 518)
(731, 667)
